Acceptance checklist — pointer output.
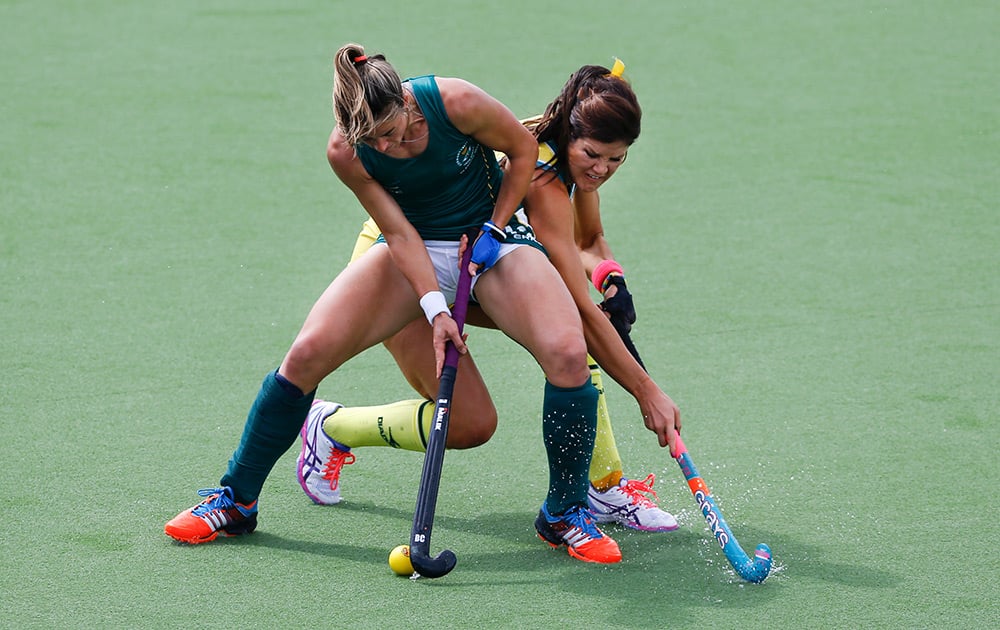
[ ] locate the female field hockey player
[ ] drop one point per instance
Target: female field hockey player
(419, 156)
(583, 138)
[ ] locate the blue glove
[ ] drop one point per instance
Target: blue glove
(487, 247)
(620, 306)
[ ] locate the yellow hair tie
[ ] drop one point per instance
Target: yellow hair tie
(618, 69)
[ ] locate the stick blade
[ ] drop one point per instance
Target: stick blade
(756, 570)
(429, 567)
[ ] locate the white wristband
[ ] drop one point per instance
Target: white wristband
(433, 304)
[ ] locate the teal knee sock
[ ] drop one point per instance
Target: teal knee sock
(569, 425)
(272, 426)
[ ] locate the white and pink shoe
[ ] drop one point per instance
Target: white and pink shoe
(322, 458)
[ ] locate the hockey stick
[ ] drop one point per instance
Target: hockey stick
(755, 570)
(430, 478)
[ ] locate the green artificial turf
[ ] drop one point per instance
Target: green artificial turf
(810, 227)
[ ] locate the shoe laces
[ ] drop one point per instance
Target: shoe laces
(337, 460)
(636, 490)
(217, 500)
(580, 518)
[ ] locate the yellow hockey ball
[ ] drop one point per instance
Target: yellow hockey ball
(399, 561)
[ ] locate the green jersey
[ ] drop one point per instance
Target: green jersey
(451, 186)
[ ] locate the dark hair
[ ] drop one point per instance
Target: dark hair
(367, 91)
(593, 104)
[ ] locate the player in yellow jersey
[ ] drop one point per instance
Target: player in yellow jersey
(583, 138)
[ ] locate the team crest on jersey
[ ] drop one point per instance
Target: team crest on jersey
(464, 156)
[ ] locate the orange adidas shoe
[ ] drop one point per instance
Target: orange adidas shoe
(576, 529)
(218, 514)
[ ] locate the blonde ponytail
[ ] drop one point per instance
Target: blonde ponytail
(367, 91)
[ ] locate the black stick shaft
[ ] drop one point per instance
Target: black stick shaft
(430, 478)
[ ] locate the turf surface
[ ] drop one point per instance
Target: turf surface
(810, 226)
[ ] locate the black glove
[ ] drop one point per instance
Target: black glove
(620, 306)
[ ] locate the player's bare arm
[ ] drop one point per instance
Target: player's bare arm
(589, 235)
(405, 245)
(476, 113)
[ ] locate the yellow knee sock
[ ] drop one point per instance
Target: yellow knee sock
(606, 464)
(402, 425)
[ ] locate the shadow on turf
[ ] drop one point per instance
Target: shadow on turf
(799, 560)
(682, 569)
(514, 526)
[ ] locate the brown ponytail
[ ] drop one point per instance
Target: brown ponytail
(593, 104)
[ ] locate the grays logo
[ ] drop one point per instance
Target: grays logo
(712, 518)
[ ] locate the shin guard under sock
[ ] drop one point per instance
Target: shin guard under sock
(402, 424)
(272, 426)
(569, 422)
(606, 464)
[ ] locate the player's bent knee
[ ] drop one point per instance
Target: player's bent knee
(469, 429)
(565, 362)
(306, 363)
(471, 438)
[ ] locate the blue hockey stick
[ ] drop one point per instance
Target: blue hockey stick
(755, 570)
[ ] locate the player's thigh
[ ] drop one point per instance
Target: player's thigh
(526, 298)
(366, 303)
(524, 294)
(473, 415)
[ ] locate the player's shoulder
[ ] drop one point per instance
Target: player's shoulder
(455, 85)
(342, 155)
(336, 145)
(462, 98)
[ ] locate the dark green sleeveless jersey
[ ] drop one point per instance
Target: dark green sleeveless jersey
(451, 186)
